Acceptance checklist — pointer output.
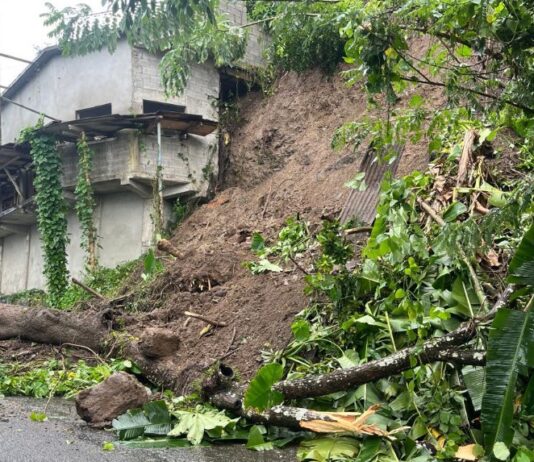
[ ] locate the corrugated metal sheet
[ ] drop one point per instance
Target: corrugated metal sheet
(361, 205)
(109, 125)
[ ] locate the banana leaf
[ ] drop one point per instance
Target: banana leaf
(521, 269)
(510, 346)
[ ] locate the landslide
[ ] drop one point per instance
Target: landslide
(281, 164)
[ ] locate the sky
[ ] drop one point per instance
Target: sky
(22, 33)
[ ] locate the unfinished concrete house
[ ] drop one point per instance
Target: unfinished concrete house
(118, 101)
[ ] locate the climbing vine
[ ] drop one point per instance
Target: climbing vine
(85, 202)
(51, 209)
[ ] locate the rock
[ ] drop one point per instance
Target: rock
(102, 403)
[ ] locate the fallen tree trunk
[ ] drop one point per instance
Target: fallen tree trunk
(52, 326)
(436, 349)
(297, 418)
(346, 379)
(153, 350)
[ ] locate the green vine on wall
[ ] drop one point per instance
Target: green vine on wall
(51, 209)
(85, 202)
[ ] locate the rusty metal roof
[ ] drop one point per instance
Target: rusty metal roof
(361, 205)
(107, 126)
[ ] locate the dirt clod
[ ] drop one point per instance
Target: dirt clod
(100, 404)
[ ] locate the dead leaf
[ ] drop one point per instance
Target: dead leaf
(492, 258)
(466, 452)
(206, 330)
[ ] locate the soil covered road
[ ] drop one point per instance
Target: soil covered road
(66, 438)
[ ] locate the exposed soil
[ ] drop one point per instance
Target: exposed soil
(281, 165)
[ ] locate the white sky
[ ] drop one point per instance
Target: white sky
(22, 33)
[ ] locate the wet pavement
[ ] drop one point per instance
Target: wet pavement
(66, 438)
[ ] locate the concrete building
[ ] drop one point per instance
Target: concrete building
(118, 101)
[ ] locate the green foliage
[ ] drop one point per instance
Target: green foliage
(156, 420)
(411, 284)
(293, 239)
(85, 202)
(195, 424)
(185, 32)
(510, 347)
(152, 266)
(108, 446)
(179, 211)
(328, 449)
(306, 35)
(106, 281)
(53, 378)
(259, 394)
(51, 209)
(521, 267)
(38, 417)
(32, 297)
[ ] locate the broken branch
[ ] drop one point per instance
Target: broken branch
(165, 246)
(436, 349)
(362, 229)
(205, 319)
(88, 289)
(467, 154)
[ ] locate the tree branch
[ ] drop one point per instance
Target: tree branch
(469, 90)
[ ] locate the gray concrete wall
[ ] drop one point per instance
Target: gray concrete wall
(199, 96)
(257, 41)
(67, 84)
(124, 228)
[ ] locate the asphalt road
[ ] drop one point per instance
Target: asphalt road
(66, 438)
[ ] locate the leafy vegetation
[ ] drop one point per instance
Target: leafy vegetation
(106, 281)
(51, 209)
(414, 283)
(510, 351)
(56, 378)
(85, 202)
(171, 423)
(185, 32)
(305, 35)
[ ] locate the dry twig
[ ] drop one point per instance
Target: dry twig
(205, 319)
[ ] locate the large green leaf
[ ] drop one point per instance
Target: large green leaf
(327, 449)
(131, 425)
(260, 394)
(510, 345)
(474, 378)
(194, 424)
(256, 441)
(521, 269)
(153, 419)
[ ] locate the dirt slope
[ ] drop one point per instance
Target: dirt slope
(281, 164)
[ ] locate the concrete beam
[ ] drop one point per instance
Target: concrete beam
(142, 190)
(180, 190)
(15, 229)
